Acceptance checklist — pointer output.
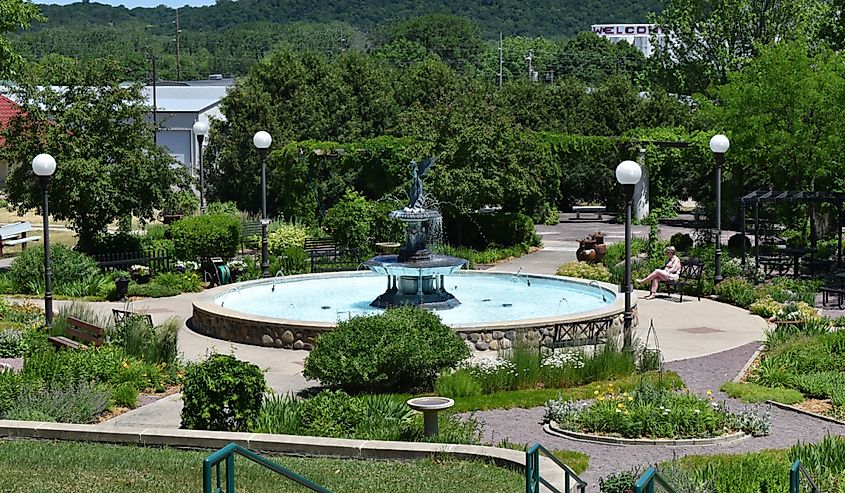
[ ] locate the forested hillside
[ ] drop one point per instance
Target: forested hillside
(547, 18)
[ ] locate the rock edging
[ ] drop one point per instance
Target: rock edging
(553, 428)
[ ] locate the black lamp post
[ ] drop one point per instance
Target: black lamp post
(43, 165)
(628, 173)
(719, 144)
(200, 129)
(262, 141)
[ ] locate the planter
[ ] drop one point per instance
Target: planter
(144, 279)
(122, 287)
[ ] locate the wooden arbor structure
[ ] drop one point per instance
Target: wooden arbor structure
(756, 197)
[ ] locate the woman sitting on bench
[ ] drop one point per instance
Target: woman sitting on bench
(670, 271)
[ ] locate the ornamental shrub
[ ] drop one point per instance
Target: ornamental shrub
(401, 350)
(681, 241)
(736, 291)
(207, 235)
(350, 221)
(222, 393)
(27, 271)
(765, 307)
(584, 270)
(286, 235)
(479, 231)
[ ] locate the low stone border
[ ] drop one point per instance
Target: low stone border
(552, 428)
(745, 368)
(789, 407)
(275, 444)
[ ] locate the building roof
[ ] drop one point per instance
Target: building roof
(8, 109)
(185, 99)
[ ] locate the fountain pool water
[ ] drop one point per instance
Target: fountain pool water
(291, 312)
(484, 298)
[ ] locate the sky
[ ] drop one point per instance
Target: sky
(139, 3)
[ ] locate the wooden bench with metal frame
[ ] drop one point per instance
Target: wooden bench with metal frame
(79, 329)
(691, 271)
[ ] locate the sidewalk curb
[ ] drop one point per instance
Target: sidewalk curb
(276, 444)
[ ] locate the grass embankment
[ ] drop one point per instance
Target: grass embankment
(41, 466)
(753, 393)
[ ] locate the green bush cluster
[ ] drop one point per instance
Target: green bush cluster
(759, 471)
(524, 367)
(336, 414)
(349, 222)
(652, 411)
(76, 385)
(808, 358)
(736, 291)
(482, 231)
(206, 235)
(68, 266)
(222, 393)
(400, 350)
(681, 241)
(286, 236)
(584, 270)
(474, 257)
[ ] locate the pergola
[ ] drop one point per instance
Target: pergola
(756, 197)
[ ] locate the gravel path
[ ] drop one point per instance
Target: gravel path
(700, 375)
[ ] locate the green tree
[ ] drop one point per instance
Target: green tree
(107, 164)
(711, 38)
(14, 15)
(783, 114)
(456, 40)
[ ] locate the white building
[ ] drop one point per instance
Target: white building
(178, 107)
(637, 35)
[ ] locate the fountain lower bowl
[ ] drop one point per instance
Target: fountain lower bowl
(291, 312)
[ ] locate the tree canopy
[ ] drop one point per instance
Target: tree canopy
(14, 15)
(97, 130)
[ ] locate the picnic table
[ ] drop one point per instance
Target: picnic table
(797, 253)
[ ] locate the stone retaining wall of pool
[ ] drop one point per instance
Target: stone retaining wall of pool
(211, 319)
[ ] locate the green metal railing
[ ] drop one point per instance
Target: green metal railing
(647, 481)
(795, 472)
(211, 470)
(534, 481)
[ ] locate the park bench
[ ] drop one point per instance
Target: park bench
(774, 265)
(250, 229)
(327, 257)
(596, 210)
(16, 234)
(79, 329)
(691, 271)
(826, 291)
(121, 316)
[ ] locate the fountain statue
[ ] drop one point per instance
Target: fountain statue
(416, 276)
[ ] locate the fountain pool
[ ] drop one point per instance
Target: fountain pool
(292, 311)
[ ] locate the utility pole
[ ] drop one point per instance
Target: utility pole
(530, 59)
(155, 103)
(178, 47)
(342, 41)
(501, 59)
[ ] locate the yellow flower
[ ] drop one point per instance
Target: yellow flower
(601, 397)
(630, 398)
(595, 392)
(620, 405)
(709, 392)
(625, 394)
(125, 364)
(626, 413)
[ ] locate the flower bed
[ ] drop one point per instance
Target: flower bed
(652, 411)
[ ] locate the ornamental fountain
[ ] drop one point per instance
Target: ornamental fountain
(416, 276)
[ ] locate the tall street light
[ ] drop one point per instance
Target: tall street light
(200, 129)
(43, 165)
(628, 173)
(262, 141)
(719, 144)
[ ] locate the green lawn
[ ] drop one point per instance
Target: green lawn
(44, 466)
(753, 393)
